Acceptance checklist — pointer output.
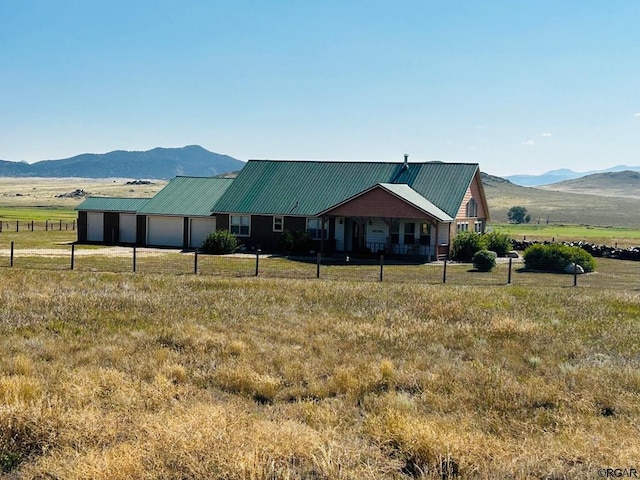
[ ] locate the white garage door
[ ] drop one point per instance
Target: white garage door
(200, 228)
(95, 226)
(164, 231)
(127, 228)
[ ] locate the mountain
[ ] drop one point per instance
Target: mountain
(160, 163)
(560, 175)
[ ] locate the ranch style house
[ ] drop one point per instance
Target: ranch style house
(399, 208)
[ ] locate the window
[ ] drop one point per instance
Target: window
(425, 234)
(409, 233)
(472, 208)
(477, 226)
(278, 224)
(314, 228)
(240, 225)
(463, 226)
(395, 233)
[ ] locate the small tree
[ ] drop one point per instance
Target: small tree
(220, 242)
(465, 246)
(518, 214)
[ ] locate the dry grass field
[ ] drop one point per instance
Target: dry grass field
(126, 375)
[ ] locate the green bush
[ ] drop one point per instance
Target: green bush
(220, 242)
(295, 242)
(484, 261)
(500, 243)
(555, 257)
(465, 246)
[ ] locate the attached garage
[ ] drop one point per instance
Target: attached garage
(165, 231)
(199, 228)
(95, 226)
(127, 232)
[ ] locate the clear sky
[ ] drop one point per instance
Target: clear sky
(518, 86)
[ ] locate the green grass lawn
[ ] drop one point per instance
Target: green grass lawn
(623, 236)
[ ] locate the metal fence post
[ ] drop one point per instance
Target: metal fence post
(381, 267)
(73, 251)
(46, 225)
(257, 262)
(60, 225)
(318, 265)
(509, 275)
(195, 262)
(134, 259)
(444, 272)
(17, 226)
(11, 261)
(575, 274)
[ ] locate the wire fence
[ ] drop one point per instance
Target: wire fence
(36, 225)
(610, 273)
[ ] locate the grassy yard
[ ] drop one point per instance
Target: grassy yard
(181, 376)
(623, 236)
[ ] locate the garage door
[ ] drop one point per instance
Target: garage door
(200, 228)
(164, 231)
(127, 228)
(95, 226)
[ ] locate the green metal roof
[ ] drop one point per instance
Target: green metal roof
(272, 187)
(112, 204)
(187, 196)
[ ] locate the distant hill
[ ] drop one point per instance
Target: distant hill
(608, 184)
(561, 207)
(160, 163)
(560, 175)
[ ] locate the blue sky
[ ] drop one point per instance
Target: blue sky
(518, 86)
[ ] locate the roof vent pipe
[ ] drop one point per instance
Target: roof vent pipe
(406, 161)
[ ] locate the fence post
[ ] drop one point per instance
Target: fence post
(134, 259)
(381, 266)
(11, 261)
(318, 255)
(444, 272)
(60, 225)
(17, 226)
(32, 225)
(257, 262)
(46, 225)
(195, 262)
(509, 275)
(73, 251)
(73, 226)
(575, 274)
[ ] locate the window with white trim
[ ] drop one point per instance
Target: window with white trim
(478, 227)
(314, 228)
(278, 224)
(425, 234)
(240, 225)
(462, 226)
(472, 208)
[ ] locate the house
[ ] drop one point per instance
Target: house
(179, 215)
(398, 208)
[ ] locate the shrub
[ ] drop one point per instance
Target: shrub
(295, 242)
(484, 260)
(555, 257)
(220, 242)
(465, 246)
(498, 242)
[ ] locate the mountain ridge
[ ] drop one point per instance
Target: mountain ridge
(158, 162)
(562, 174)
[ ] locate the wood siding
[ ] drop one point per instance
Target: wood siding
(381, 204)
(472, 192)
